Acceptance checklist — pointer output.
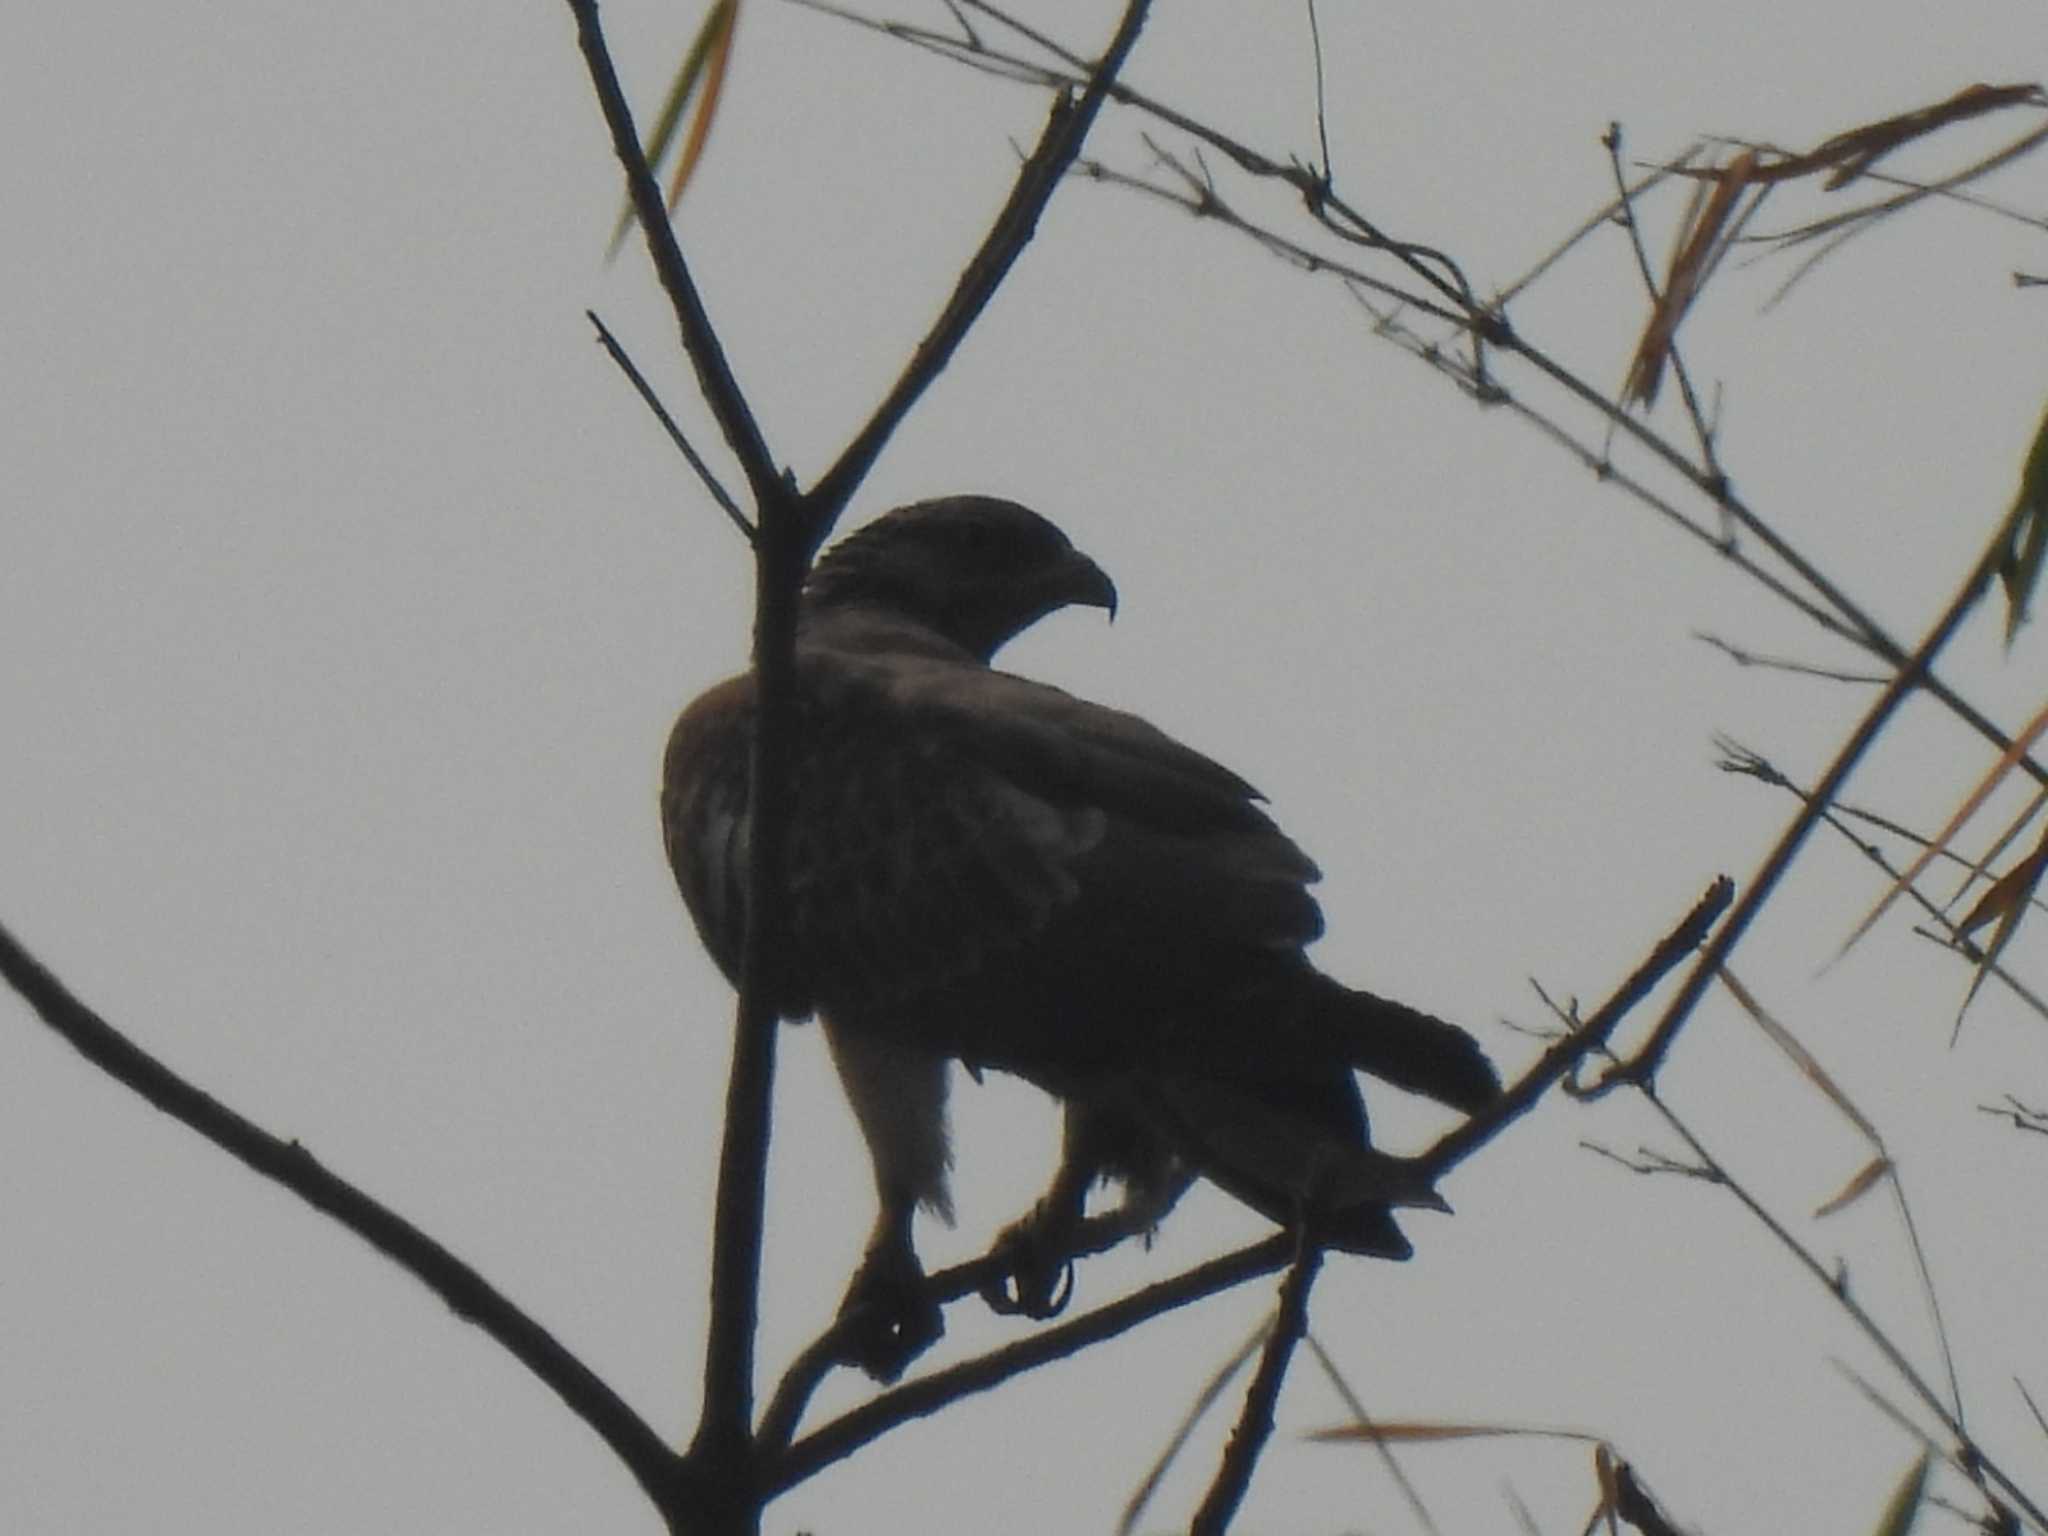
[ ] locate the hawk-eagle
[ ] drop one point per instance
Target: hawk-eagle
(986, 869)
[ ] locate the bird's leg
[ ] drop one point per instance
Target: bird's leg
(1039, 1249)
(888, 1317)
(1147, 1200)
(898, 1093)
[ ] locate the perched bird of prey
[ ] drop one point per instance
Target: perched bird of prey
(987, 869)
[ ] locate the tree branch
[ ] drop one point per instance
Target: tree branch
(1096, 1234)
(788, 528)
(835, 1441)
(715, 377)
(1255, 1424)
(1065, 129)
(1456, 1145)
(1641, 1069)
(467, 1293)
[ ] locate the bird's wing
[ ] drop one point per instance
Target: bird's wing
(1068, 748)
(704, 821)
(908, 859)
(946, 813)
(949, 813)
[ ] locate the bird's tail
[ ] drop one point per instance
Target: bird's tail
(1401, 1045)
(1278, 1144)
(1273, 1114)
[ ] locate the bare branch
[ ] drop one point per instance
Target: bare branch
(1065, 129)
(1255, 1423)
(1642, 1068)
(286, 1163)
(1554, 1064)
(653, 403)
(715, 377)
(929, 1394)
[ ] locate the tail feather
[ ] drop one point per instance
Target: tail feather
(1260, 1098)
(1369, 1230)
(1272, 1144)
(1404, 1046)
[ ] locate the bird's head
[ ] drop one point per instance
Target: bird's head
(976, 569)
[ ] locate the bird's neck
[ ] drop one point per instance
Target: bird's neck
(876, 629)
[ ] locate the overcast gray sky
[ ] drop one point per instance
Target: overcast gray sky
(346, 597)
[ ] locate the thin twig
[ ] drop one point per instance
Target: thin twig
(1553, 1065)
(1327, 169)
(1255, 1423)
(653, 403)
(1471, 317)
(1740, 759)
(1864, 1322)
(1611, 141)
(1744, 658)
(1395, 1470)
(1652, 177)
(1065, 129)
(1650, 1162)
(2024, 1117)
(715, 377)
(1212, 1389)
(1642, 1068)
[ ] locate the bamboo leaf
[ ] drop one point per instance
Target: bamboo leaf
(1940, 841)
(1904, 1507)
(1868, 1175)
(2019, 571)
(705, 61)
(2007, 900)
(1800, 1057)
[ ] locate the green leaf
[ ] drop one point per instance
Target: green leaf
(709, 47)
(1905, 1505)
(2019, 568)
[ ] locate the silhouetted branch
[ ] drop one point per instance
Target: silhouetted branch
(1096, 1234)
(718, 492)
(467, 1293)
(715, 377)
(788, 528)
(1255, 1423)
(1642, 1067)
(1065, 129)
(1197, 1410)
(1554, 1064)
(926, 1395)
(1971, 1457)
(2024, 1117)
(929, 1394)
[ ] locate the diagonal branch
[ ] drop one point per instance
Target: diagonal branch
(927, 1395)
(1255, 1424)
(721, 1446)
(715, 377)
(645, 390)
(1065, 129)
(1096, 1234)
(788, 529)
(1641, 1069)
(835, 1441)
(467, 1293)
(1456, 1145)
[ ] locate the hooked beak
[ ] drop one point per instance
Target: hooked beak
(1084, 582)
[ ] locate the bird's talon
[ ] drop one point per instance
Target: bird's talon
(1036, 1279)
(886, 1322)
